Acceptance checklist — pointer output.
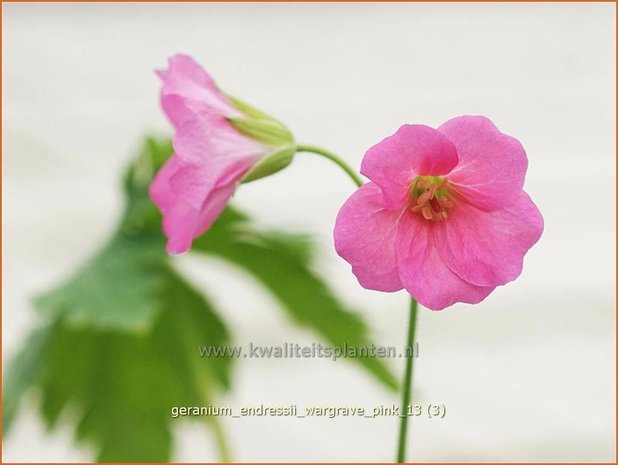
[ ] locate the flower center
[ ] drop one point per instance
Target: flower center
(430, 197)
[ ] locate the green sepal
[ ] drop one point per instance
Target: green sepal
(259, 125)
(271, 163)
(268, 131)
(250, 111)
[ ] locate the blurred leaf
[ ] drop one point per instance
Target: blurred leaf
(153, 155)
(22, 372)
(281, 262)
(121, 347)
(123, 385)
(299, 247)
(118, 288)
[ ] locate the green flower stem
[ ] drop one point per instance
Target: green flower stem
(407, 385)
(220, 440)
(331, 156)
(205, 390)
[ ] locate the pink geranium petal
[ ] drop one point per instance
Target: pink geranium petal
(458, 237)
(178, 217)
(211, 154)
(188, 90)
(423, 272)
(365, 236)
(181, 222)
(413, 150)
(214, 206)
(488, 248)
(159, 189)
(492, 165)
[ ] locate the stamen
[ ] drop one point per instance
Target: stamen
(423, 198)
(429, 196)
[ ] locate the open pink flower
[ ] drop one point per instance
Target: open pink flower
(211, 155)
(445, 215)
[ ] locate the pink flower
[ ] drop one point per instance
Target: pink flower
(445, 215)
(211, 154)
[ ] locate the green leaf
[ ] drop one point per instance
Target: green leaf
(121, 386)
(121, 346)
(123, 349)
(282, 264)
(119, 288)
(22, 372)
(153, 155)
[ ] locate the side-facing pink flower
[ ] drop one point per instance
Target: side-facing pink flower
(218, 141)
(445, 215)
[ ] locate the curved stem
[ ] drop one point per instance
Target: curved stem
(407, 384)
(331, 156)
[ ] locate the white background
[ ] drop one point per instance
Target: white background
(527, 375)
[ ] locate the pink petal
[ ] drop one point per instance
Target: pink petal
(488, 248)
(159, 190)
(365, 237)
(492, 165)
(413, 150)
(188, 89)
(212, 154)
(181, 222)
(213, 207)
(423, 273)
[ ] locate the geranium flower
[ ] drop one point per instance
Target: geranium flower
(445, 215)
(219, 142)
